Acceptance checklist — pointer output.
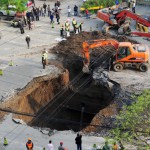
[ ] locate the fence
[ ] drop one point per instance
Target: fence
(143, 2)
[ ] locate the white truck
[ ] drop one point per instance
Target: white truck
(11, 11)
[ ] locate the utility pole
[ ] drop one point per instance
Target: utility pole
(82, 112)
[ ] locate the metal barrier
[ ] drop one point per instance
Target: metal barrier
(143, 2)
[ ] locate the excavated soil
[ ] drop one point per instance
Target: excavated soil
(57, 102)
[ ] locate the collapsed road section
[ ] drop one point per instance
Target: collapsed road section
(71, 99)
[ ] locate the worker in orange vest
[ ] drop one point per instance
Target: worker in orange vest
(115, 146)
(29, 144)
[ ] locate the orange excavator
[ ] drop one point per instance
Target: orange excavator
(124, 54)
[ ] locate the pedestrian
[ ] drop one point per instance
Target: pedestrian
(40, 11)
(75, 10)
(44, 6)
(43, 13)
(57, 17)
(5, 142)
(29, 24)
(34, 10)
(74, 23)
(58, 3)
(36, 15)
(62, 31)
(48, 10)
(87, 13)
(50, 146)
(28, 41)
(78, 141)
(25, 20)
(21, 26)
(106, 146)
(32, 15)
(116, 2)
(80, 27)
(51, 18)
(115, 146)
(69, 11)
(44, 59)
(61, 146)
(29, 144)
(133, 7)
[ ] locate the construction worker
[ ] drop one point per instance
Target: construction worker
(67, 31)
(29, 144)
(106, 146)
(5, 142)
(28, 41)
(74, 23)
(67, 24)
(76, 29)
(115, 146)
(62, 31)
(67, 28)
(44, 59)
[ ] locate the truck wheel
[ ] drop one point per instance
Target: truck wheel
(118, 67)
(143, 67)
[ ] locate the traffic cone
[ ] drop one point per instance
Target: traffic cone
(1, 72)
(5, 142)
(11, 63)
(53, 24)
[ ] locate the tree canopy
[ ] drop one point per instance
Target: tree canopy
(20, 4)
(133, 122)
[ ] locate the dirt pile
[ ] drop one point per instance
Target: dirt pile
(73, 44)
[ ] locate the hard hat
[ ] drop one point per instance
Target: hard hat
(29, 139)
(27, 35)
(61, 142)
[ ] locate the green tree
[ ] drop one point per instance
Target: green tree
(133, 122)
(20, 4)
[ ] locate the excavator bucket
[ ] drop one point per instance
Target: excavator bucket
(86, 69)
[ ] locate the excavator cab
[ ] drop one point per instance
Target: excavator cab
(123, 52)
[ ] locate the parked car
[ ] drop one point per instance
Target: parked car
(11, 11)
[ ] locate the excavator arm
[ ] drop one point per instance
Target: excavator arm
(94, 44)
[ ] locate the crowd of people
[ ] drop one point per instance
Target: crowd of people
(78, 142)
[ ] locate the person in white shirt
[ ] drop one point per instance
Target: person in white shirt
(50, 146)
(69, 11)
